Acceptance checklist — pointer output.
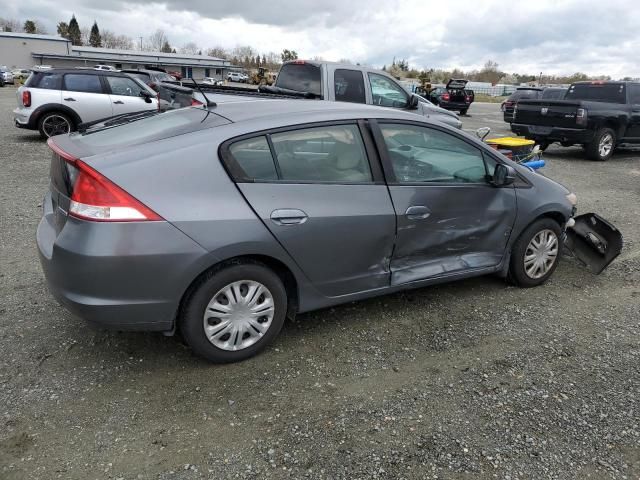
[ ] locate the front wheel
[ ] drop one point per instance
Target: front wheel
(234, 312)
(536, 253)
(602, 146)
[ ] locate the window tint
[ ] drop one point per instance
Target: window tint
(597, 92)
(82, 83)
(386, 92)
(634, 88)
(48, 81)
(254, 158)
(349, 86)
(301, 77)
(322, 154)
(525, 95)
(421, 154)
(553, 94)
(124, 86)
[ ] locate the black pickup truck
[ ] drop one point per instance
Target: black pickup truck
(597, 115)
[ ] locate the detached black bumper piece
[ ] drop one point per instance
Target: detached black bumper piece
(594, 241)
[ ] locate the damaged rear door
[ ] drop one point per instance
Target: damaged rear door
(450, 219)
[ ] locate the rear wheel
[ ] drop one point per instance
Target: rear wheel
(54, 123)
(464, 111)
(602, 146)
(234, 312)
(536, 253)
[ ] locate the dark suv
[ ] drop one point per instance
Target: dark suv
(171, 96)
(530, 93)
(453, 96)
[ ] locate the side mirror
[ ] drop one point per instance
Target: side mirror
(146, 95)
(413, 102)
(503, 175)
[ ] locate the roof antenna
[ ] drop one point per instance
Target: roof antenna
(210, 103)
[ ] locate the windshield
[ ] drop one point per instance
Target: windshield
(301, 77)
(597, 92)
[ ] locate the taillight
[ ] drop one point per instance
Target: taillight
(196, 103)
(26, 98)
(94, 197)
(445, 97)
(467, 98)
(581, 117)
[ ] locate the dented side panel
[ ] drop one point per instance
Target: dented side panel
(466, 227)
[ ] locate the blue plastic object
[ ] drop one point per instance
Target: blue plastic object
(534, 164)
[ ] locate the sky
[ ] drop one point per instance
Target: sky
(549, 36)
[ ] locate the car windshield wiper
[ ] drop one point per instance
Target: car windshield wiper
(98, 125)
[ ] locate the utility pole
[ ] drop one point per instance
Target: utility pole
(540, 79)
(140, 42)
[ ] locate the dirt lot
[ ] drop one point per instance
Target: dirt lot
(474, 379)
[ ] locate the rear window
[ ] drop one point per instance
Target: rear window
(597, 92)
(301, 77)
(525, 95)
(553, 94)
(162, 125)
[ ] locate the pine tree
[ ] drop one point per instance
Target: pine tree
(166, 48)
(74, 32)
(29, 26)
(63, 29)
(95, 39)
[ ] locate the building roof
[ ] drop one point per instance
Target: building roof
(141, 53)
(33, 36)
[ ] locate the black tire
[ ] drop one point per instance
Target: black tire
(42, 125)
(594, 149)
(191, 321)
(463, 112)
(543, 146)
(517, 273)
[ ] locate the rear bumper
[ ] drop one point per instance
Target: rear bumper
(22, 118)
(124, 276)
(454, 105)
(552, 134)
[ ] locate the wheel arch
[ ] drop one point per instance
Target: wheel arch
(277, 266)
(55, 107)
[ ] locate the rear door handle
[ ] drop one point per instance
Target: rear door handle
(288, 216)
(119, 102)
(417, 212)
(69, 99)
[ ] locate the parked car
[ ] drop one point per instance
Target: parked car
(597, 115)
(107, 68)
(212, 81)
(453, 96)
(171, 95)
(529, 93)
(237, 77)
(20, 73)
(337, 82)
(57, 101)
(7, 76)
(281, 207)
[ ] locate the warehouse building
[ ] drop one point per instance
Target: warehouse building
(23, 50)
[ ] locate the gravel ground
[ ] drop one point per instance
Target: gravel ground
(473, 379)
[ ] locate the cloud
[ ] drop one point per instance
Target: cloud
(553, 36)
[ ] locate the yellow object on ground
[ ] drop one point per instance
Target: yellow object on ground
(511, 142)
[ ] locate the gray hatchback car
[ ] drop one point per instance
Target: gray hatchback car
(220, 221)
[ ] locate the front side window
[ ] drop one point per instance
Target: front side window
(422, 154)
(124, 86)
(386, 92)
(349, 86)
(82, 83)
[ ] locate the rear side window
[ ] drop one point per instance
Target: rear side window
(74, 82)
(597, 92)
(254, 158)
(302, 77)
(349, 86)
(634, 89)
(47, 81)
(332, 154)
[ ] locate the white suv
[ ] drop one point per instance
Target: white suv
(236, 77)
(56, 101)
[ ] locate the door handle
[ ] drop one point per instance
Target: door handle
(69, 99)
(288, 216)
(119, 102)
(417, 212)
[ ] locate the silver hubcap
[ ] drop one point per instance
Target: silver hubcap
(55, 125)
(606, 145)
(541, 254)
(238, 315)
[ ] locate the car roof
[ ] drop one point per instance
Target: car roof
(83, 71)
